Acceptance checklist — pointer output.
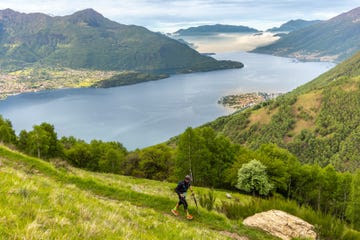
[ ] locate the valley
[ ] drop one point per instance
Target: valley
(85, 48)
(102, 116)
(166, 106)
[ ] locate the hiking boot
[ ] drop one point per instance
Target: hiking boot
(176, 213)
(189, 217)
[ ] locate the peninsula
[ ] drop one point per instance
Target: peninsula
(246, 100)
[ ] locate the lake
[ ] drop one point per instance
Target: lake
(149, 113)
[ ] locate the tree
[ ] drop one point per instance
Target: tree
(353, 208)
(280, 163)
(206, 154)
(252, 177)
(342, 194)
(53, 143)
(7, 134)
(131, 164)
(329, 187)
(187, 153)
(307, 185)
(41, 142)
(79, 155)
(106, 156)
(111, 161)
(96, 156)
(68, 142)
(38, 142)
(23, 141)
(157, 162)
(243, 155)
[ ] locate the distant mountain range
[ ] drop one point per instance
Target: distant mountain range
(293, 25)
(217, 28)
(332, 40)
(87, 40)
(319, 122)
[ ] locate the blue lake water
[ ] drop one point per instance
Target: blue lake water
(149, 113)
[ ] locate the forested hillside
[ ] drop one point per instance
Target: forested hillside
(87, 40)
(318, 122)
(333, 40)
(215, 29)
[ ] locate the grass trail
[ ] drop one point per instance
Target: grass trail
(39, 201)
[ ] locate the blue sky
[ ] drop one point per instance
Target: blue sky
(170, 15)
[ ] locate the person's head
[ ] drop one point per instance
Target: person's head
(187, 178)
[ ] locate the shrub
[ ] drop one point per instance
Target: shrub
(207, 200)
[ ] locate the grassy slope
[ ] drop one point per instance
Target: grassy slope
(41, 201)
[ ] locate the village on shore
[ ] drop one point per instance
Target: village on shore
(246, 100)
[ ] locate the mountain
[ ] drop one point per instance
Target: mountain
(332, 40)
(87, 40)
(217, 28)
(319, 122)
(42, 200)
(293, 25)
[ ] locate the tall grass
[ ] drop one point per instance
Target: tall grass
(326, 226)
(41, 201)
(208, 200)
(58, 192)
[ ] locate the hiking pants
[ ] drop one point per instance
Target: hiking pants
(182, 200)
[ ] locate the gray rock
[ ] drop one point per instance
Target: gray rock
(281, 224)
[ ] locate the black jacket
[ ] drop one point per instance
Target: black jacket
(182, 187)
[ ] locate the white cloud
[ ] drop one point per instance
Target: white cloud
(170, 15)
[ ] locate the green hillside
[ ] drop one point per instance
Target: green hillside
(319, 122)
(332, 40)
(40, 200)
(87, 40)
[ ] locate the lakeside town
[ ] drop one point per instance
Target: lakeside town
(246, 100)
(37, 79)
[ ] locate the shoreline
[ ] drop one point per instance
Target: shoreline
(41, 79)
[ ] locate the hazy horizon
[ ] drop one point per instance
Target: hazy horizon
(171, 15)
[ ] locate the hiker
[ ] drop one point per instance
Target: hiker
(181, 190)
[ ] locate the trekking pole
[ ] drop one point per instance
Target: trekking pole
(197, 208)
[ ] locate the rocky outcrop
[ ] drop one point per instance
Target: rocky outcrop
(282, 225)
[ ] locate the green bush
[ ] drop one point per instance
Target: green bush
(232, 210)
(238, 210)
(351, 235)
(207, 200)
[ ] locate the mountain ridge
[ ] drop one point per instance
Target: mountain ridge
(216, 28)
(333, 40)
(293, 25)
(86, 39)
